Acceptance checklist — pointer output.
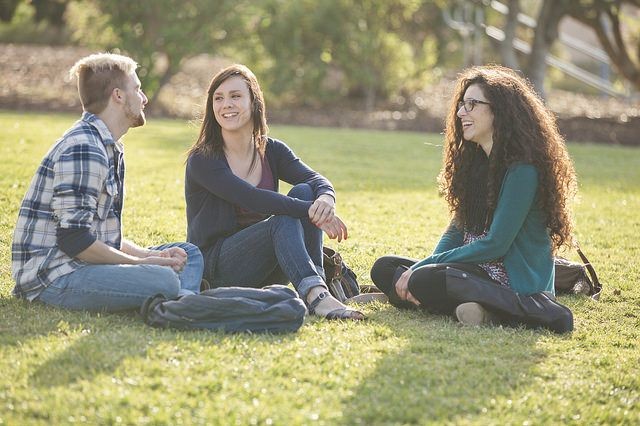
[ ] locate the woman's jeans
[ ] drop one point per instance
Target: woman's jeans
(112, 288)
(277, 250)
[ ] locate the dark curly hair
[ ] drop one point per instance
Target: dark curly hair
(524, 131)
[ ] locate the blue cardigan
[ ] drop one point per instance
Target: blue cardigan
(212, 191)
(518, 234)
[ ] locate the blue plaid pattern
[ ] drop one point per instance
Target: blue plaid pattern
(78, 185)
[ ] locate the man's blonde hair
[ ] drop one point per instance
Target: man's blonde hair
(98, 75)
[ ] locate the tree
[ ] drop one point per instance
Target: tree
(374, 55)
(8, 9)
(159, 34)
(319, 51)
(507, 52)
(45, 10)
(51, 11)
(603, 16)
(291, 47)
(545, 35)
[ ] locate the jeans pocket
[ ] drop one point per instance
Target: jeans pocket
(53, 294)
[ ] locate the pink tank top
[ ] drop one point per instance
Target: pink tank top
(246, 217)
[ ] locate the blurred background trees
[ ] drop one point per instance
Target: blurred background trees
(159, 34)
(314, 52)
(606, 18)
(362, 53)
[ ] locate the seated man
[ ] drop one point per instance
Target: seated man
(68, 249)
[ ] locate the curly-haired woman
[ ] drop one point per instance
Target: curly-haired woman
(508, 180)
(249, 233)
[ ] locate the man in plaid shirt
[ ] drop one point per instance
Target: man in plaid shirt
(68, 249)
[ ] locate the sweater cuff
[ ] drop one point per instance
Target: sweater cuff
(329, 193)
(74, 241)
(305, 211)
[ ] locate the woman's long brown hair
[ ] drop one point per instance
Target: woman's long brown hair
(524, 131)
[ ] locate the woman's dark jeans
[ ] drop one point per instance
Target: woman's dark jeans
(277, 250)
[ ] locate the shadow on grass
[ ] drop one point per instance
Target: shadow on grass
(79, 346)
(21, 321)
(444, 373)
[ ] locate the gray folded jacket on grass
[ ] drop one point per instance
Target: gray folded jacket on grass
(274, 308)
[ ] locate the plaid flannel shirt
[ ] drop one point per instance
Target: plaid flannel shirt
(78, 185)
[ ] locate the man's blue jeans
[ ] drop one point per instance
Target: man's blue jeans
(274, 251)
(112, 288)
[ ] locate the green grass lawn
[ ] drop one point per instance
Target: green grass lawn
(60, 367)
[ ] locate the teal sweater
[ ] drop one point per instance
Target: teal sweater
(518, 234)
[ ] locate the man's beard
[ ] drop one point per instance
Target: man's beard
(135, 120)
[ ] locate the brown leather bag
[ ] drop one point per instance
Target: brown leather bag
(341, 280)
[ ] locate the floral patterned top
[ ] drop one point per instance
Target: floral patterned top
(495, 269)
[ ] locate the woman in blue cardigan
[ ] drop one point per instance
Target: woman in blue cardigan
(508, 180)
(251, 235)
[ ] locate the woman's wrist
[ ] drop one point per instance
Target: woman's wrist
(327, 198)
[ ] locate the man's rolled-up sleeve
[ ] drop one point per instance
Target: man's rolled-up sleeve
(79, 176)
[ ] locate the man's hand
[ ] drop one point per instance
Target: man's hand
(177, 255)
(100, 253)
(335, 229)
(176, 264)
(177, 252)
(322, 210)
(402, 288)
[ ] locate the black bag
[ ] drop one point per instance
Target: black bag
(341, 280)
(274, 309)
(576, 277)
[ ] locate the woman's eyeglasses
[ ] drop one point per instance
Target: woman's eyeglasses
(470, 104)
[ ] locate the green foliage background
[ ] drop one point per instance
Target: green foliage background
(360, 53)
(310, 53)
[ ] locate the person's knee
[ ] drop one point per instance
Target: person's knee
(190, 248)
(193, 252)
(376, 270)
(429, 286)
(302, 191)
(286, 224)
(194, 255)
(165, 281)
(382, 271)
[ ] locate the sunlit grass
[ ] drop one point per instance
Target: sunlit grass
(61, 367)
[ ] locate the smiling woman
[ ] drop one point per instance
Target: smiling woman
(250, 234)
(508, 180)
(232, 105)
(477, 123)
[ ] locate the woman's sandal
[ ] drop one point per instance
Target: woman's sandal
(336, 314)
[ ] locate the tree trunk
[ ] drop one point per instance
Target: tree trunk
(545, 34)
(8, 9)
(606, 25)
(370, 98)
(507, 52)
(169, 72)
